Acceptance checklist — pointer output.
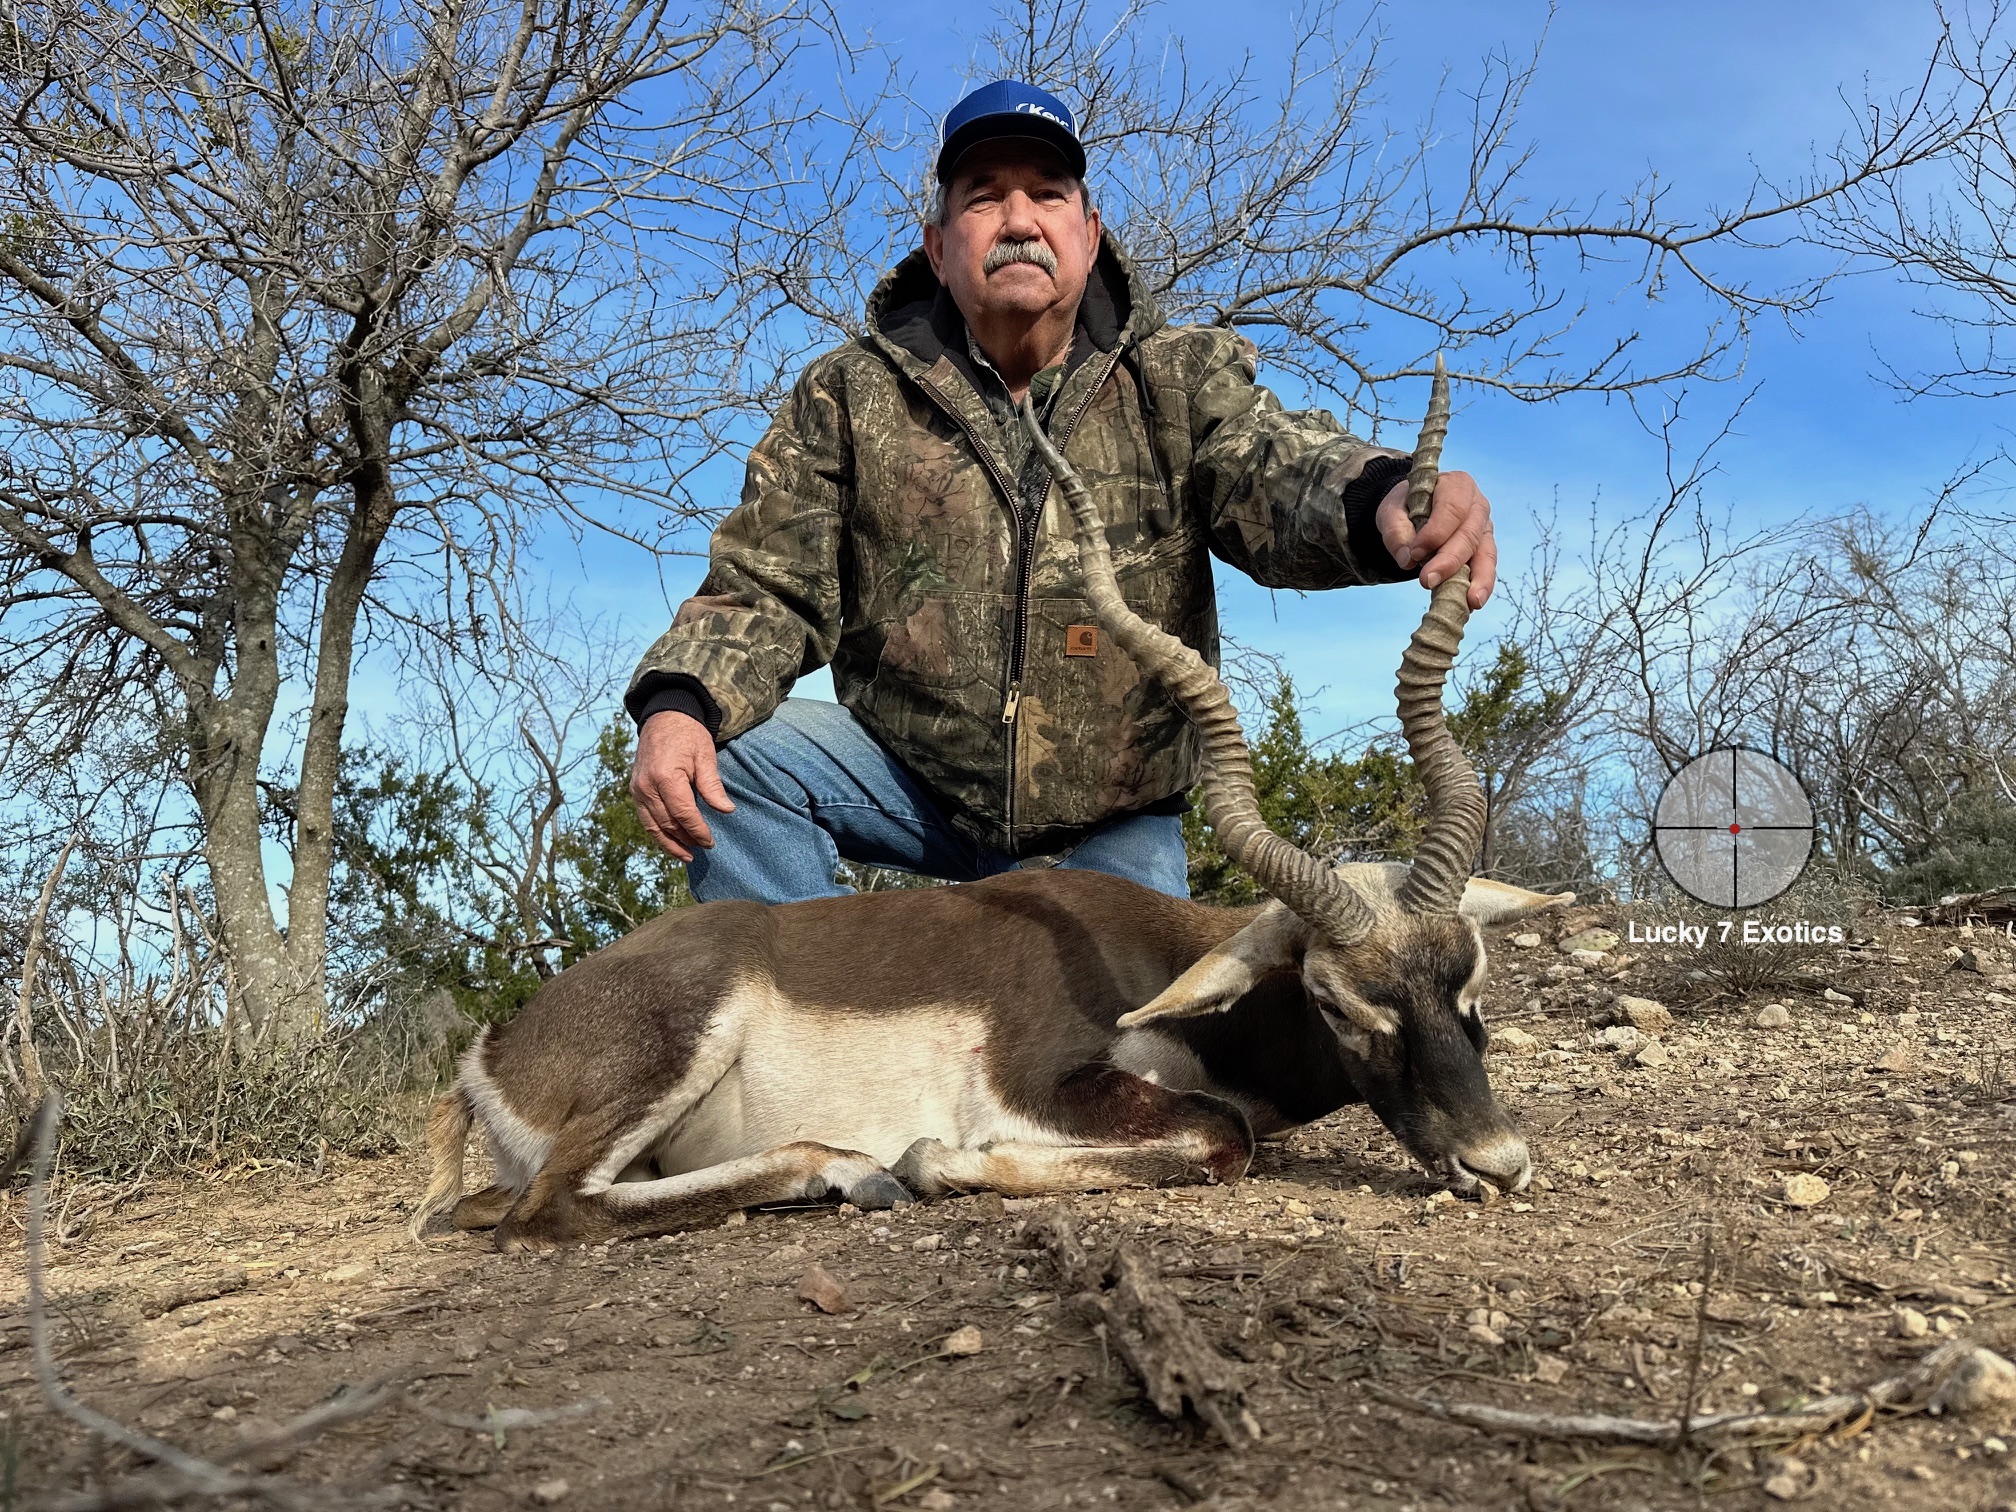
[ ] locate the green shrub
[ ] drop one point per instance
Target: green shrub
(1973, 851)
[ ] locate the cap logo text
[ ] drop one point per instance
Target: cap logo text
(1029, 108)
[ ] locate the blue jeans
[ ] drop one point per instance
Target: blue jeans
(812, 787)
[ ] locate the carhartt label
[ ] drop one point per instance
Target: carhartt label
(1081, 640)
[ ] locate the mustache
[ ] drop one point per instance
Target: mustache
(1001, 254)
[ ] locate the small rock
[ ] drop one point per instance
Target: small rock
(1897, 1058)
(1983, 1382)
(937, 1499)
(1485, 1334)
(1514, 1041)
(1525, 941)
(1787, 1479)
(1772, 1016)
(1602, 941)
(1964, 960)
(1441, 1198)
(1804, 1190)
(1909, 1323)
(550, 1491)
(1551, 1370)
(1653, 1057)
(927, 1242)
(1644, 1014)
(1296, 1209)
(355, 1271)
(226, 1414)
(962, 1342)
(1831, 996)
(1623, 1037)
(735, 1219)
(1588, 959)
(822, 1291)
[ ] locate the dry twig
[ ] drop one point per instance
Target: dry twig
(1129, 1305)
(1925, 1385)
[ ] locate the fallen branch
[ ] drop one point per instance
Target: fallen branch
(1956, 1377)
(1131, 1307)
(174, 1475)
(1996, 906)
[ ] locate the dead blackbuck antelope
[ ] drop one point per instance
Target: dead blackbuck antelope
(1040, 1031)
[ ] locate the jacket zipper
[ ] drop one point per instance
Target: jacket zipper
(1025, 548)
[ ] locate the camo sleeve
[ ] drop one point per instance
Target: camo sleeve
(1289, 495)
(768, 610)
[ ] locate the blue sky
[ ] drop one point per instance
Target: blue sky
(1709, 93)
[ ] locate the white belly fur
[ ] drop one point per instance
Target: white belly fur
(873, 1082)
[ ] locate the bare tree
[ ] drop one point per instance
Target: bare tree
(510, 744)
(1876, 658)
(311, 312)
(1951, 232)
(1351, 243)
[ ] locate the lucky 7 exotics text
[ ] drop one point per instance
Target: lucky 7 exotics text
(1748, 931)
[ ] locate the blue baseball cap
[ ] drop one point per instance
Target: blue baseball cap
(1009, 108)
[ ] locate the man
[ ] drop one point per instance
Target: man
(895, 524)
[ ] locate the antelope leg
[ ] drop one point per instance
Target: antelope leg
(553, 1212)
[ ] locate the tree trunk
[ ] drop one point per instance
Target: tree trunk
(280, 991)
(322, 751)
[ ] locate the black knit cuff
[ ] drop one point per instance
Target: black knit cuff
(1362, 496)
(673, 693)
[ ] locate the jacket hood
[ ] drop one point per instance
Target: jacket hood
(913, 314)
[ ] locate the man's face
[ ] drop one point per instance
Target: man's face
(1003, 193)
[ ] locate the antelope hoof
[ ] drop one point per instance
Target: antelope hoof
(879, 1191)
(917, 1166)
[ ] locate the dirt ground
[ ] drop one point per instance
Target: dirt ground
(686, 1372)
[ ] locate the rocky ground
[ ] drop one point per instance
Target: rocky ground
(1775, 1194)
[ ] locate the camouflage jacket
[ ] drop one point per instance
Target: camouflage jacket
(883, 528)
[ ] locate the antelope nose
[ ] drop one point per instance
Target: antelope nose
(1503, 1160)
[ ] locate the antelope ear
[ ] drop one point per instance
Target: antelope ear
(1323, 974)
(1491, 902)
(1226, 974)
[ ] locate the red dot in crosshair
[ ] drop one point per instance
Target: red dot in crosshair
(1735, 829)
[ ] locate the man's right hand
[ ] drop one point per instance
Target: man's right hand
(675, 760)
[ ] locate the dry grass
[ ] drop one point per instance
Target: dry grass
(1726, 967)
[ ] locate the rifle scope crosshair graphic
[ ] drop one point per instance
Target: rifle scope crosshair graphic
(1733, 828)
